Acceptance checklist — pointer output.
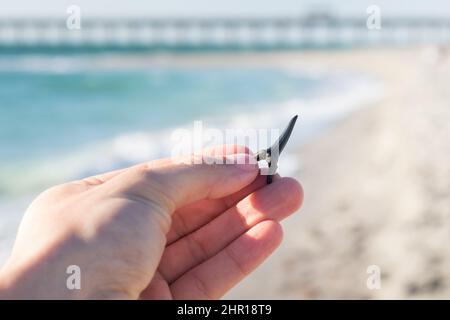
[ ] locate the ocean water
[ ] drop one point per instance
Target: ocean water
(64, 118)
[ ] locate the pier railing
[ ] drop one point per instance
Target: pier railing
(281, 32)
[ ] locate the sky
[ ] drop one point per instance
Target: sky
(202, 8)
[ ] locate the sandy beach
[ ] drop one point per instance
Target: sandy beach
(377, 189)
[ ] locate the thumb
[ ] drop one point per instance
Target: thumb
(176, 183)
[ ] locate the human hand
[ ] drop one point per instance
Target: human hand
(159, 230)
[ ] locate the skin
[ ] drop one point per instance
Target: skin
(158, 230)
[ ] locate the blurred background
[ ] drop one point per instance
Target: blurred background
(87, 87)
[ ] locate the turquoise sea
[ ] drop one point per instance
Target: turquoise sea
(65, 117)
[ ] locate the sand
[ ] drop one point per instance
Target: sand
(377, 189)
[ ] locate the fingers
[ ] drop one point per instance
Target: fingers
(273, 202)
(260, 181)
(226, 149)
(213, 278)
(213, 151)
(100, 178)
(158, 289)
(195, 215)
(174, 184)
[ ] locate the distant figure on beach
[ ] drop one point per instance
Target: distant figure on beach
(158, 230)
